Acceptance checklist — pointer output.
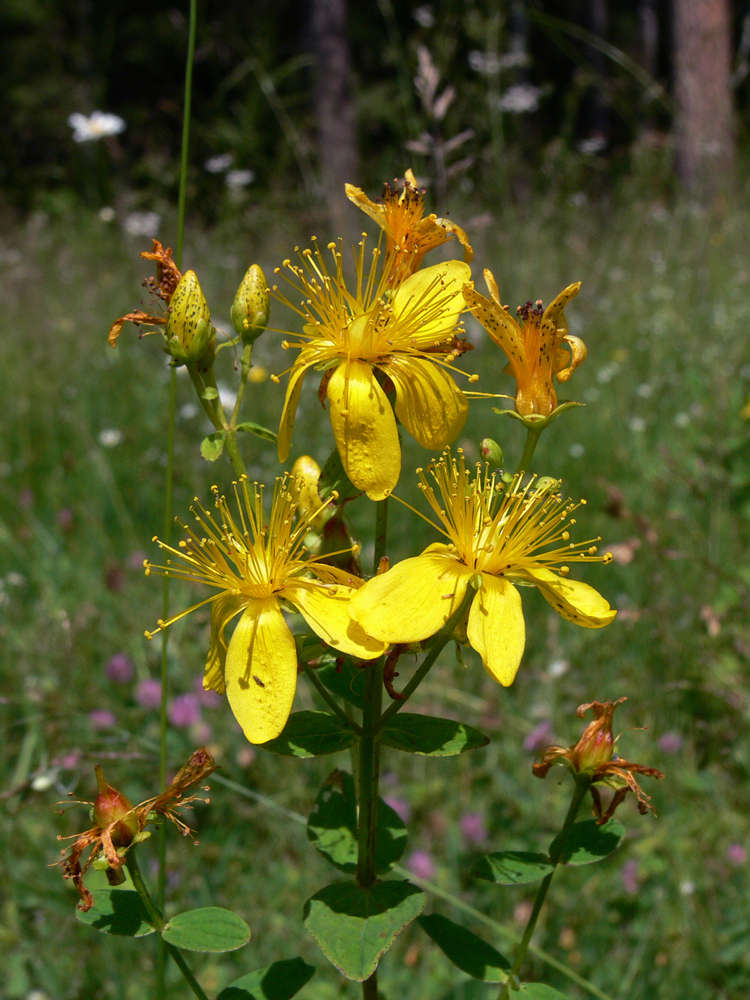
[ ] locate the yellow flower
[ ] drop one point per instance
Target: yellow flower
(519, 535)
(255, 566)
(409, 233)
(403, 329)
(535, 349)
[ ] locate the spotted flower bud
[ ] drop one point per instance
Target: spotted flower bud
(190, 335)
(251, 305)
(492, 453)
(113, 811)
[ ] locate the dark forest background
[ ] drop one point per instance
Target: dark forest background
(309, 93)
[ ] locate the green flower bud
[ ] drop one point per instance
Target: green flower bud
(190, 333)
(251, 305)
(492, 453)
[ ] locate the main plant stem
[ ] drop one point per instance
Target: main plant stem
(579, 793)
(369, 753)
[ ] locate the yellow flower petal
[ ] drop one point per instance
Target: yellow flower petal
(360, 199)
(261, 671)
(418, 291)
(293, 390)
(365, 429)
(223, 610)
(326, 611)
(498, 322)
(496, 628)
(413, 600)
(553, 314)
(577, 602)
(428, 402)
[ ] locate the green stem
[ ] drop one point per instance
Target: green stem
(199, 387)
(245, 365)
(436, 646)
(156, 918)
(159, 980)
(369, 774)
(328, 698)
(182, 199)
(230, 439)
(161, 884)
(532, 437)
(579, 793)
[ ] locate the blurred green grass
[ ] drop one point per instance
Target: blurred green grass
(661, 454)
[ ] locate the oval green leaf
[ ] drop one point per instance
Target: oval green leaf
(209, 929)
(540, 991)
(212, 446)
(248, 427)
(588, 842)
(465, 949)
(279, 981)
(332, 827)
(512, 867)
(312, 734)
(355, 926)
(117, 911)
(430, 736)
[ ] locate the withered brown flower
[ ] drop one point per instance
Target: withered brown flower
(118, 824)
(593, 755)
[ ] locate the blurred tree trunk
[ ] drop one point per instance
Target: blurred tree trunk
(337, 141)
(705, 122)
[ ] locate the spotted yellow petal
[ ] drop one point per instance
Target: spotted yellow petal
(360, 199)
(365, 429)
(496, 628)
(554, 314)
(223, 610)
(413, 600)
(436, 293)
(261, 671)
(293, 390)
(499, 324)
(326, 611)
(451, 229)
(428, 402)
(576, 601)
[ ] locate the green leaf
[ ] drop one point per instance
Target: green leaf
(332, 827)
(355, 926)
(540, 991)
(210, 393)
(333, 477)
(212, 446)
(512, 867)
(588, 842)
(425, 734)
(117, 911)
(312, 734)
(248, 427)
(345, 679)
(210, 928)
(279, 981)
(465, 949)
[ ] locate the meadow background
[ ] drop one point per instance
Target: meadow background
(660, 451)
